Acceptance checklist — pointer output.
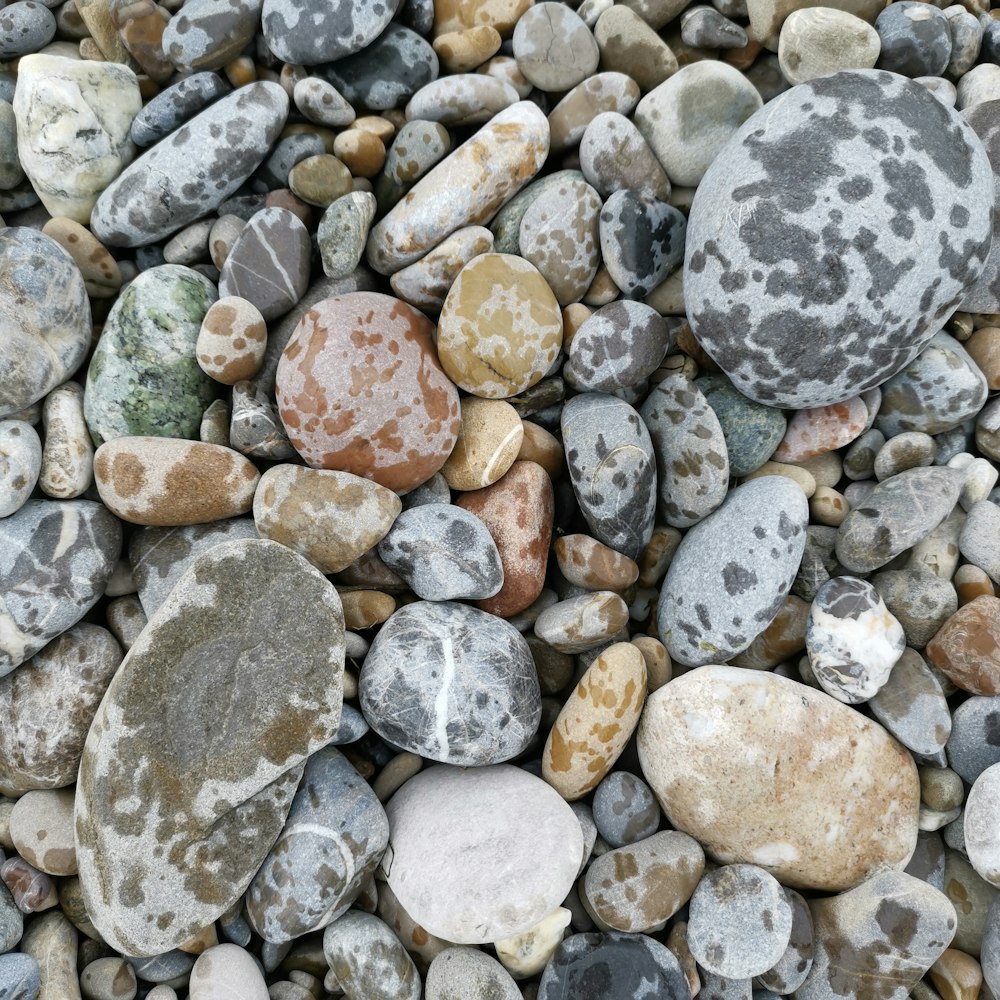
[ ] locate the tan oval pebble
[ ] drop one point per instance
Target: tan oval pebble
(543, 447)
(331, 518)
(826, 469)
(401, 768)
(823, 40)
(50, 939)
(596, 723)
(637, 888)
(453, 15)
(580, 623)
(827, 507)
(658, 554)
(166, 481)
(379, 125)
(232, 340)
(361, 151)
(101, 275)
(526, 954)
(957, 976)
(781, 640)
(586, 562)
(799, 476)
(41, 827)
(108, 979)
(972, 582)
(463, 50)
(500, 328)
(984, 348)
(365, 608)
(488, 443)
(71, 903)
(68, 454)
(222, 236)
(821, 429)
(319, 180)
(202, 941)
(659, 669)
(602, 289)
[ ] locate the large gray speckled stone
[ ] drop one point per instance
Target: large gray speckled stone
(333, 838)
(984, 295)
(451, 683)
(306, 32)
(193, 170)
(208, 34)
(191, 763)
(802, 278)
(732, 571)
(56, 558)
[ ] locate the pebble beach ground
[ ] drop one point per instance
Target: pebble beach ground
(499, 500)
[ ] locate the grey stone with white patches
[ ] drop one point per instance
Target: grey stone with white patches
(612, 469)
(334, 837)
(25, 27)
(691, 455)
(461, 99)
(306, 32)
(642, 241)
(732, 572)
(912, 706)
(175, 105)
(180, 797)
(287, 153)
(418, 146)
(984, 120)
(451, 683)
(55, 560)
(966, 39)
(369, 960)
(617, 347)
(802, 278)
(506, 224)
(790, 971)
(268, 264)
(322, 103)
(920, 600)
(208, 34)
(444, 553)
(194, 170)
(20, 464)
(614, 156)
(353, 724)
(915, 39)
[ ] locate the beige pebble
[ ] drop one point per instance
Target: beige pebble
(463, 50)
(222, 236)
(378, 125)
(629, 45)
(803, 479)
(984, 348)
(320, 180)
(487, 446)
(240, 72)
(215, 423)
(401, 768)
(506, 70)
(101, 275)
(781, 640)
(574, 316)
(972, 582)
(586, 562)
(361, 151)
(827, 469)
(580, 623)
(322, 103)
(957, 976)
(68, 454)
(602, 289)
(232, 340)
(453, 15)
(827, 506)
(126, 620)
(41, 827)
(543, 448)
(50, 939)
(658, 666)
(657, 555)
(365, 608)
(526, 954)
(108, 979)
(677, 943)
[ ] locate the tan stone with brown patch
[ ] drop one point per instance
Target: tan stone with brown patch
(967, 647)
(581, 623)
(487, 444)
(500, 328)
(659, 669)
(599, 93)
(426, 283)
(596, 722)
(167, 481)
(586, 562)
(463, 50)
(41, 827)
(331, 518)
(543, 447)
(101, 275)
(232, 340)
(781, 640)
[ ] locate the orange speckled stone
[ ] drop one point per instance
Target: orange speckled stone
(967, 647)
(822, 429)
(360, 389)
(517, 511)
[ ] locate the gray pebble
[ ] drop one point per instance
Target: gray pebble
(343, 232)
(790, 971)
(625, 809)
(20, 977)
(979, 541)
(175, 105)
(25, 27)
(920, 600)
(293, 149)
(207, 34)
(704, 27)
(614, 157)
(974, 743)
(468, 974)
(20, 464)
(369, 960)
(306, 32)
(915, 39)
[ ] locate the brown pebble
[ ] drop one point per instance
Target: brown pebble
(365, 608)
(362, 152)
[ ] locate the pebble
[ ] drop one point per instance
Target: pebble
(108, 979)
(693, 739)
(588, 563)
(821, 430)
(368, 960)
(320, 180)
(468, 974)
(915, 41)
(175, 105)
(554, 49)
(20, 976)
(966, 647)
(752, 430)
(629, 45)
(322, 103)
(426, 283)
(625, 810)
(418, 146)
(41, 828)
(304, 32)
(51, 940)
(614, 156)
(818, 41)
(232, 340)
(20, 464)
(466, 866)
(25, 27)
(461, 100)
(270, 621)
(703, 27)
(603, 92)
(451, 683)
(342, 232)
(226, 968)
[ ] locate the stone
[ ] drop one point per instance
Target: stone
(320, 180)
(554, 49)
(972, 745)
(167, 188)
(629, 45)
(325, 399)
(897, 514)
(206, 35)
(489, 441)
(977, 542)
(418, 146)
(49, 703)
(102, 276)
(596, 723)
(451, 683)
(468, 974)
(25, 27)
(625, 810)
(966, 647)
(790, 971)
(322, 103)
(588, 563)
(108, 979)
(45, 322)
(980, 825)
(820, 829)
(582, 623)
(20, 464)
(369, 960)
(704, 27)
(739, 921)
(732, 572)
(748, 204)
(56, 559)
(466, 188)
(144, 378)
(886, 932)
(500, 328)
(821, 430)
(600, 93)
(258, 617)
(612, 468)
(176, 104)
(343, 230)
(20, 976)
(305, 33)
(232, 340)
(461, 100)
(333, 839)
(426, 283)
(818, 41)
(751, 430)
(331, 518)
(226, 968)
(51, 940)
(444, 553)
(41, 828)
(11, 172)
(915, 41)
(614, 156)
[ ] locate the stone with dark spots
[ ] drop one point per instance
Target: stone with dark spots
(613, 966)
(915, 39)
(387, 73)
(175, 105)
(451, 683)
(617, 347)
(368, 960)
(984, 295)
(307, 32)
(612, 468)
(25, 27)
(920, 600)
(333, 838)
(691, 458)
(444, 553)
(56, 558)
(885, 934)
(625, 809)
(208, 34)
(802, 279)
(790, 971)
(974, 743)
(193, 758)
(732, 572)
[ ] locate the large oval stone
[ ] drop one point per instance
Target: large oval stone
(761, 769)
(833, 234)
(193, 758)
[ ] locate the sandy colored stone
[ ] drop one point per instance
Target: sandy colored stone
(101, 275)
(762, 769)
(588, 563)
(972, 582)
(768, 16)
(596, 723)
(957, 976)
(541, 446)
(984, 348)
(800, 477)
(361, 151)
(581, 623)
(426, 283)
(967, 647)
(602, 92)
(41, 827)
(463, 50)
(629, 45)
(166, 481)
(453, 15)
(488, 442)
(366, 608)
(232, 340)
(827, 506)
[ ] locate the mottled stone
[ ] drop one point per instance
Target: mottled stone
(790, 971)
(108, 979)
(144, 378)
(614, 156)
(167, 187)
(967, 647)
(915, 41)
(306, 32)
(331, 518)
(369, 960)
(176, 104)
(41, 829)
(171, 831)
(822, 429)
(980, 824)
(823, 827)
(322, 103)
(461, 100)
(629, 45)
(780, 335)
(625, 810)
(469, 868)
(704, 27)
(451, 683)
(426, 283)
(334, 837)
(818, 41)
(20, 464)
(554, 49)
(231, 341)
(25, 27)
(418, 146)
(342, 232)
(51, 940)
(751, 429)
(468, 974)
(20, 976)
(602, 93)
(912, 706)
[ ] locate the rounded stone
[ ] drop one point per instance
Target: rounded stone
(588, 563)
(41, 828)
(174, 105)
(208, 35)
(614, 156)
(818, 41)
(488, 443)
(368, 960)
(25, 27)
(20, 464)
(915, 40)
(553, 47)
(226, 968)
(306, 32)
(451, 683)
(778, 333)
(468, 974)
(360, 390)
(625, 809)
(231, 341)
(108, 979)
(468, 867)
(500, 327)
(967, 647)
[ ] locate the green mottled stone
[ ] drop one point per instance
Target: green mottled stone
(144, 379)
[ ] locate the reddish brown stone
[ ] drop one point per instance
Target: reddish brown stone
(517, 511)
(967, 647)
